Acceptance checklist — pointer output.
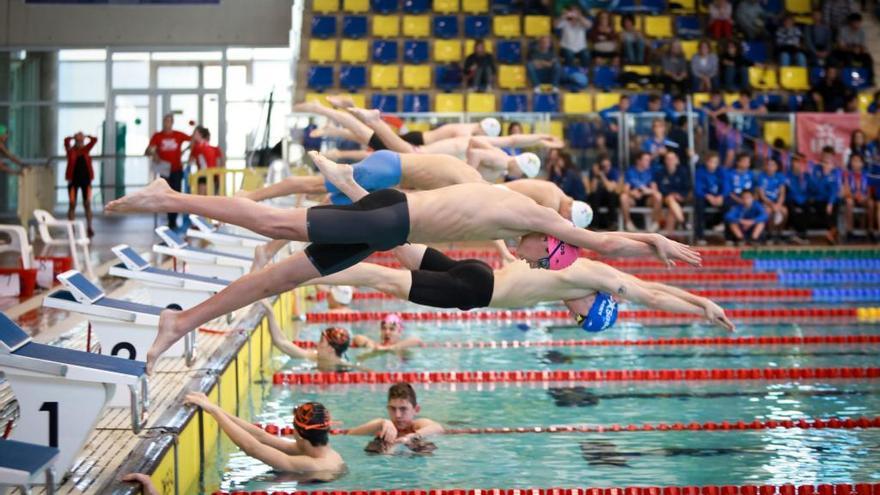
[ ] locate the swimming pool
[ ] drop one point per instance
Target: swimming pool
(599, 433)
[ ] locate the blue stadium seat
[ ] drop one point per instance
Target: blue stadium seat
(504, 6)
(352, 77)
(854, 78)
(477, 26)
(795, 101)
(769, 100)
(514, 102)
(605, 77)
(385, 52)
(415, 52)
(626, 6)
(354, 26)
(638, 103)
(416, 102)
(445, 26)
(816, 75)
(508, 52)
(756, 51)
(579, 135)
(320, 77)
(448, 77)
(385, 6)
(544, 102)
(773, 6)
(688, 26)
(416, 6)
(654, 6)
(385, 103)
(323, 26)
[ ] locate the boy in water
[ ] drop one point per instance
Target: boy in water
(391, 336)
(402, 427)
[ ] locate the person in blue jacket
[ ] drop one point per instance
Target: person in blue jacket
(708, 193)
(798, 189)
(739, 179)
(771, 193)
(746, 220)
(824, 201)
(674, 183)
(640, 189)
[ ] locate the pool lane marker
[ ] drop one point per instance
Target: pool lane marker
(520, 376)
(661, 342)
(733, 295)
(832, 423)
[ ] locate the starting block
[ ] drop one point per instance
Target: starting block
(62, 393)
(165, 287)
(123, 327)
(23, 465)
(232, 242)
(206, 262)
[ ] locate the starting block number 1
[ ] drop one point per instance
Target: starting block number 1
(52, 409)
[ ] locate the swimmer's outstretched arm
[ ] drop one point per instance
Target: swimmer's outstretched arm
(361, 132)
(281, 342)
(303, 184)
(519, 140)
(653, 240)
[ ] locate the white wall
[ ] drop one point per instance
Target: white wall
(232, 22)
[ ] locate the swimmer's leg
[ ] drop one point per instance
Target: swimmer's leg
(383, 131)
(265, 252)
(453, 146)
(352, 155)
(361, 132)
(340, 175)
(307, 184)
(272, 222)
(388, 280)
(380, 170)
(334, 132)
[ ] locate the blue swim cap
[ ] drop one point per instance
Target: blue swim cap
(602, 314)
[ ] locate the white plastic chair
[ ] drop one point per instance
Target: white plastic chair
(18, 242)
(75, 236)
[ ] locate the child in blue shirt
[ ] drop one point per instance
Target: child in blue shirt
(708, 192)
(674, 183)
(739, 179)
(639, 189)
(827, 184)
(798, 188)
(771, 193)
(746, 219)
(856, 192)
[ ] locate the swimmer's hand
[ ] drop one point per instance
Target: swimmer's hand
(669, 251)
(146, 483)
(388, 432)
(198, 399)
(716, 316)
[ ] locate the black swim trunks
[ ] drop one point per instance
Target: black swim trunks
(344, 235)
(442, 282)
(415, 138)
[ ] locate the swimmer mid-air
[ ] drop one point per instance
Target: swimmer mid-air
(342, 236)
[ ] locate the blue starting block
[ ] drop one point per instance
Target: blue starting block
(23, 465)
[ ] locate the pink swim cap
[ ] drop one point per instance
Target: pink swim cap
(561, 255)
(393, 318)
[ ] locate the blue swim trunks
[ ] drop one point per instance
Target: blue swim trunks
(381, 170)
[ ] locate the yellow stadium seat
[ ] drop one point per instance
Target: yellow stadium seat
(642, 70)
(554, 128)
(322, 50)
(537, 25)
(865, 99)
(689, 48)
(449, 102)
(683, 6)
(729, 98)
(802, 7)
(511, 76)
(658, 26)
(447, 50)
(469, 46)
(416, 26)
(806, 20)
(356, 6)
(794, 78)
(385, 76)
(777, 130)
(326, 6)
(386, 26)
(358, 99)
(506, 26)
(475, 6)
(416, 76)
(420, 126)
(446, 6)
(354, 51)
(577, 103)
(606, 100)
(480, 102)
(762, 78)
(700, 99)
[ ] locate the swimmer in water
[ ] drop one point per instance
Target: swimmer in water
(328, 354)
(342, 236)
(391, 337)
(310, 452)
(402, 427)
(339, 298)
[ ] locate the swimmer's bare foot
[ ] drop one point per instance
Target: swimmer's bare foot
(165, 338)
(366, 116)
(340, 101)
(151, 199)
(261, 257)
(307, 107)
(337, 173)
(332, 154)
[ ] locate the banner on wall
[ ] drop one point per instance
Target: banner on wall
(818, 130)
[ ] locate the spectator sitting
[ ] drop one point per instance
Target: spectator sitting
(836, 12)
(704, 67)
(479, 68)
(605, 188)
(819, 39)
(858, 145)
(658, 144)
(746, 219)
(826, 194)
(640, 189)
(834, 93)
(708, 192)
(676, 108)
(750, 19)
(564, 174)
(771, 193)
(633, 41)
(543, 65)
(798, 188)
(856, 193)
(739, 179)
(852, 47)
(674, 69)
(604, 40)
(727, 140)
(610, 115)
(573, 38)
(734, 66)
(678, 135)
(720, 19)
(789, 44)
(746, 108)
(874, 106)
(674, 183)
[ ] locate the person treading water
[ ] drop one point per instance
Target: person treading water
(402, 426)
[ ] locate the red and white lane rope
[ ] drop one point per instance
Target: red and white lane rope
(735, 295)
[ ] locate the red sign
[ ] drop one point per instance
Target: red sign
(818, 130)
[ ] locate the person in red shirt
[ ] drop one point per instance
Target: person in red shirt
(165, 150)
(203, 155)
(80, 174)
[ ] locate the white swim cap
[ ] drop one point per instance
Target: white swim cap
(491, 127)
(529, 163)
(581, 214)
(342, 293)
